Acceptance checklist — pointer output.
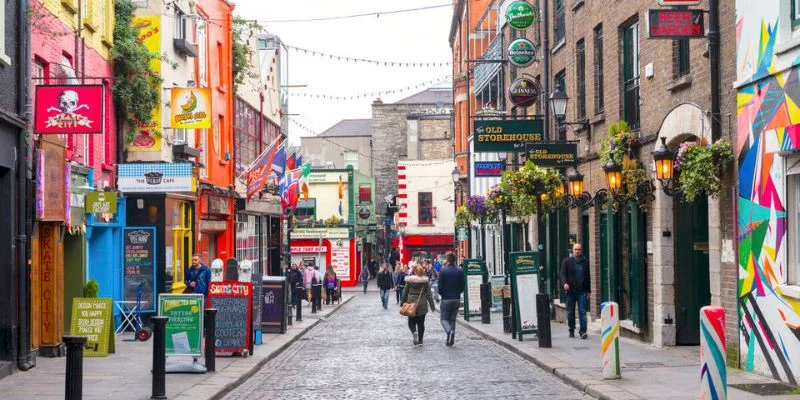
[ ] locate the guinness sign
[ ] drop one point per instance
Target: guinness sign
(523, 92)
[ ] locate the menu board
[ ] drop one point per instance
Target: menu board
(234, 304)
(138, 265)
(340, 259)
(91, 317)
(524, 287)
(184, 330)
(473, 271)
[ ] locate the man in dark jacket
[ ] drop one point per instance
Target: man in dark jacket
(576, 283)
(451, 284)
(197, 276)
(385, 284)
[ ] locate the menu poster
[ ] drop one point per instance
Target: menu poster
(138, 263)
(525, 286)
(234, 304)
(473, 271)
(340, 259)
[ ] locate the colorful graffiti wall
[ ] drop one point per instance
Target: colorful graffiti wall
(768, 123)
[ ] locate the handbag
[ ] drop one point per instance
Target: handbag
(410, 309)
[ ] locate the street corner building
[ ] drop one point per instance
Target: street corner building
(768, 229)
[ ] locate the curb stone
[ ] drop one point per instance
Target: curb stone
(560, 373)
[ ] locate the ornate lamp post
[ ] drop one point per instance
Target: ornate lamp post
(664, 159)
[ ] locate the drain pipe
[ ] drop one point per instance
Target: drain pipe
(25, 360)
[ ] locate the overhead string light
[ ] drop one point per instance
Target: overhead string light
(371, 94)
(316, 135)
(380, 63)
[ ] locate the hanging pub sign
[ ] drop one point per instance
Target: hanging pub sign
(523, 92)
(492, 135)
(69, 109)
(190, 108)
(488, 169)
(675, 24)
(521, 52)
(101, 203)
(520, 15)
(554, 154)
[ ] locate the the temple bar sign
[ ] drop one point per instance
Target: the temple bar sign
(493, 135)
(675, 24)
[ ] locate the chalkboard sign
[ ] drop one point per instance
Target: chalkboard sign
(138, 263)
(91, 317)
(234, 303)
(273, 302)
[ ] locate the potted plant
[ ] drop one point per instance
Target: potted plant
(699, 166)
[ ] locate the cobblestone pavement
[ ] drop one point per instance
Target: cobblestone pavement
(363, 351)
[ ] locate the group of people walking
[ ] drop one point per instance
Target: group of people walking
(311, 278)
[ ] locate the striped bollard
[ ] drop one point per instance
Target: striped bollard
(609, 337)
(713, 372)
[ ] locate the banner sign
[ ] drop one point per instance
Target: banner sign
(524, 287)
(520, 15)
(101, 203)
(233, 300)
(554, 154)
(138, 265)
(155, 177)
(487, 169)
(473, 277)
(91, 317)
(322, 233)
(190, 108)
(69, 109)
(675, 24)
(184, 330)
(147, 135)
(492, 136)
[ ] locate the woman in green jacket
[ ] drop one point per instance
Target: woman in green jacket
(418, 285)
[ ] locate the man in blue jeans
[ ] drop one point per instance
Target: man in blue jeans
(451, 284)
(575, 279)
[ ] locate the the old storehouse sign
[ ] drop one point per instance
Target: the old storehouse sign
(521, 52)
(69, 109)
(520, 15)
(492, 135)
(523, 92)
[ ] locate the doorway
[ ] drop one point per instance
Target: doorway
(692, 286)
(637, 266)
(182, 250)
(609, 256)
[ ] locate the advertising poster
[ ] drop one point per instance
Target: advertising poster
(91, 317)
(184, 330)
(340, 259)
(69, 109)
(524, 287)
(147, 135)
(190, 108)
(497, 281)
(473, 273)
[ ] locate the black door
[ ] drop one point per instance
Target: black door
(692, 289)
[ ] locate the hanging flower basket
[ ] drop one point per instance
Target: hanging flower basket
(498, 199)
(463, 217)
(699, 167)
(477, 206)
(620, 144)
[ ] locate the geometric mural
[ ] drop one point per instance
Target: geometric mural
(768, 113)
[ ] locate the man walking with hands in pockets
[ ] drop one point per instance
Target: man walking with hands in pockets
(576, 283)
(451, 284)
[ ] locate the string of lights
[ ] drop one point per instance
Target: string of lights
(370, 94)
(376, 14)
(316, 134)
(379, 63)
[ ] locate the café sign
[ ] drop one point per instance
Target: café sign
(155, 177)
(523, 92)
(493, 136)
(521, 52)
(520, 15)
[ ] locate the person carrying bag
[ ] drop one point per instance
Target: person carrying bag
(417, 287)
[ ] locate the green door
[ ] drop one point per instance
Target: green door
(603, 257)
(692, 289)
(610, 250)
(585, 235)
(636, 262)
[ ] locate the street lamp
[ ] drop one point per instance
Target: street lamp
(578, 198)
(663, 158)
(456, 175)
(558, 103)
(575, 180)
(613, 173)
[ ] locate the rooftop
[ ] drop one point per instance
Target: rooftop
(349, 127)
(434, 95)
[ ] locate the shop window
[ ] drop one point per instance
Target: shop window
(425, 203)
(247, 240)
(580, 71)
(306, 211)
(630, 77)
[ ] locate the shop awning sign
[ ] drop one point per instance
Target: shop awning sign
(492, 136)
(69, 109)
(155, 177)
(553, 154)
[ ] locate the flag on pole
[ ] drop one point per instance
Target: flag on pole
(305, 171)
(258, 172)
(299, 159)
(291, 161)
(279, 161)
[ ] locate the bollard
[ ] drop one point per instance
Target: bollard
(299, 305)
(313, 299)
(486, 303)
(543, 321)
(159, 357)
(609, 339)
(506, 314)
(210, 324)
(713, 372)
(74, 381)
(318, 296)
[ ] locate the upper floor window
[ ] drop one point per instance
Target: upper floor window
(580, 80)
(680, 58)
(4, 58)
(630, 74)
(793, 218)
(795, 13)
(599, 100)
(202, 52)
(181, 24)
(351, 158)
(561, 23)
(425, 203)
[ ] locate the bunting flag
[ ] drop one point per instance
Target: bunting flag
(299, 160)
(291, 161)
(293, 184)
(259, 170)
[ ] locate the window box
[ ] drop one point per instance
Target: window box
(184, 47)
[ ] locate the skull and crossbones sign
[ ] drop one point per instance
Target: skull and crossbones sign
(68, 103)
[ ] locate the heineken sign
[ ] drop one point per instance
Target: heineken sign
(523, 92)
(520, 15)
(494, 135)
(553, 154)
(521, 52)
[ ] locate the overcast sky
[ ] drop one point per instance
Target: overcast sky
(419, 36)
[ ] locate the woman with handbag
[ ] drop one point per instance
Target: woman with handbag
(416, 298)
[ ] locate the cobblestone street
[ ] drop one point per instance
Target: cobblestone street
(363, 351)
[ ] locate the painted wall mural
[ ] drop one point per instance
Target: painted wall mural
(768, 122)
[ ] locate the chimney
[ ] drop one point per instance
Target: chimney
(377, 101)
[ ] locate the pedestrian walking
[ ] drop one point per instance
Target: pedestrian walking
(393, 257)
(318, 287)
(364, 278)
(197, 277)
(385, 284)
(293, 278)
(576, 283)
(330, 284)
(400, 281)
(451, 285)
(309, 279)
(418, 291)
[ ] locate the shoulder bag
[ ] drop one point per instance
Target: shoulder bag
(410, 309)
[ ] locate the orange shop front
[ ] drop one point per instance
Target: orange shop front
(216, 226)
(334, 246)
